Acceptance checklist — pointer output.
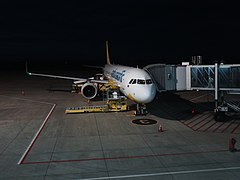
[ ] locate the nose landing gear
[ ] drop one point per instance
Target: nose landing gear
(141, 110)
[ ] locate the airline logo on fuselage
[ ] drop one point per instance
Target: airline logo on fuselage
(118, 75)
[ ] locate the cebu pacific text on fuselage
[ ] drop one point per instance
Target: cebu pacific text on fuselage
(117, 75)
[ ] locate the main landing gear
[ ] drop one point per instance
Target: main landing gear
(141, 110)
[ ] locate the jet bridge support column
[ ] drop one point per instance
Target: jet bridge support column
(220, 109)
(216, 86)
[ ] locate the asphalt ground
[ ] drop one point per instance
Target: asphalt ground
(39, 141)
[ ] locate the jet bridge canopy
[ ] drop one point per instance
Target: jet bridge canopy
(203, 77)
(195, 77)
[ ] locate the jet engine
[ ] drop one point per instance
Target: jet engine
(89, 90)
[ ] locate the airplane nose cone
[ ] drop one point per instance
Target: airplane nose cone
(147, 95)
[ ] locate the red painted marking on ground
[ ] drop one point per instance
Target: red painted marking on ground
(204, 124)
(218, 127)
(200, 116)
(210, 126)
(233, 131)
(124, 157)
(228, 126)
(201, 120)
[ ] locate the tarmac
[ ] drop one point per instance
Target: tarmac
(39, 141)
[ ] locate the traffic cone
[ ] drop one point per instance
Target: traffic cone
(160, 129)
(231, 145)
(193, 111)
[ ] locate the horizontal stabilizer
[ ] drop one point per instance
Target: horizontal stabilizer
(79, 82)
(91, 66)
(99, 81)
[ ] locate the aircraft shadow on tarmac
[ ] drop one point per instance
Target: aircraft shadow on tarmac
(166, 105)
(171, 106)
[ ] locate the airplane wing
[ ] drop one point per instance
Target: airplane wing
(75, 79)
(55, 76)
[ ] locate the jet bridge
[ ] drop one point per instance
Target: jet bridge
(221, 78)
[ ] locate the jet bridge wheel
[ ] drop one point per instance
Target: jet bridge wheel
(220, 116)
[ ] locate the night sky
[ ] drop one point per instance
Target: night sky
(139, 32)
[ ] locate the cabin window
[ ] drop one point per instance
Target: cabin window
(141, 81)
(149, 81)
(130, 82)
(134, 81)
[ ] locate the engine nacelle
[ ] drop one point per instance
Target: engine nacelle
(89, 90)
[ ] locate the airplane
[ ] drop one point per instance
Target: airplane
(135, 83)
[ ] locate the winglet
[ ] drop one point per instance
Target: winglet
(108, 58)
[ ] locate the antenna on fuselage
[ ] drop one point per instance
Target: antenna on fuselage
(108, 58)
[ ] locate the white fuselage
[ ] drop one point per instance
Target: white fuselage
(134, 83)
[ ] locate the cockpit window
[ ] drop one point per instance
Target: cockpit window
(149, 81)
(141, 81)
(130, 82)
(134, 81)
